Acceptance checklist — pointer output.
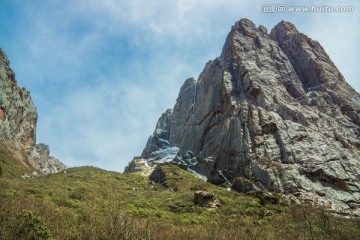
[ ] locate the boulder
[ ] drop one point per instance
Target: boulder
(206, 199)
(244, 185)
(158, 175)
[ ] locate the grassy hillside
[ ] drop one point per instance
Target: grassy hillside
(90, 203)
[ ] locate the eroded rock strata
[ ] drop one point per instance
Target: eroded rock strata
(272, 108)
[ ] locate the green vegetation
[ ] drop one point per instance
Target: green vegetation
(28, 226)
(90, 203)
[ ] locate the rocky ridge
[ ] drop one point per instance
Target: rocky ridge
(272, 109)
(18, 119)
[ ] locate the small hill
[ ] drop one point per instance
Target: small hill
(91, 203)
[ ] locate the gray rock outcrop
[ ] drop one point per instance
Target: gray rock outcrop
(18, 119)
(272, 108)
(40, 157)
(158, 176)
(206, 199)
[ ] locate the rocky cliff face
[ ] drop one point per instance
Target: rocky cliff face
(18, 118)
(272, 108)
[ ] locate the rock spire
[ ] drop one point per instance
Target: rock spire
(272, 108)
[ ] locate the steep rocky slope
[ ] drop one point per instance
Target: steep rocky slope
(18, 118)
(274, 109)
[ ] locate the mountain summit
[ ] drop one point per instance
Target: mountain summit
(272, 110)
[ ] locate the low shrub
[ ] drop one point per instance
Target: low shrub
(30, 227)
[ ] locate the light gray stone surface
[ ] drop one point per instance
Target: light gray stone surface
(274, 108)
(40, 156)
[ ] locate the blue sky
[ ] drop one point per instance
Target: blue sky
(101, 72)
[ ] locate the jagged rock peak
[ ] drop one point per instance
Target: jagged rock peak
(283, 30)
(248, 28)
(18, 119)
(245, 25)
(3, 57)
(272, 108)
